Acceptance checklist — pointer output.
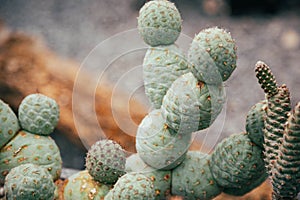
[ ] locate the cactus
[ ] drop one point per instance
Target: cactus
(132, 186)
(81, 186)
(38, 114)
(30, 148)
(277, 112)
(212, 55)
(255, 123)
(30, 182)
(162, 63)
(237, 162)
(193, 178)
(190, 105)
(159, 23)
(9, 125)
(161, 179)
(105, 161)
(159, 146)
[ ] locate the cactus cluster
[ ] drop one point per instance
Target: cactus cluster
(30, 160)
(281, 135)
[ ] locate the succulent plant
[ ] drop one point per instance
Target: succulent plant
(132, 186)
(9, 124)
(105, 161)
(236, 163)
(38, 114)
(281, 136)
(165, 63)
(212, 55)
(193, 178)
(159, 23)
(255, 123)
(30, 148)
(190, 105)
(161, 179)
(30, 182)
(82, 186)
(158, 145)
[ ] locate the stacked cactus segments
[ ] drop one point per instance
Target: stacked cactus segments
(25, 140)
(281, 136)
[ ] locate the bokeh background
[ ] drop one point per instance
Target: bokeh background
(267, 30)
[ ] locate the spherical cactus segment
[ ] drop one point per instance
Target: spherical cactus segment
(286, 175)
(165, 63)
(105, 161)
(212, 55)
(9, 123)
(159, 23)
(237, 162)
(193, 179)
(38, 114)
(81, 186)
(133, 186)
(25, 148)
(159, 146)
(190, 105)
(30, 182)
(255, 123)
(161, 179)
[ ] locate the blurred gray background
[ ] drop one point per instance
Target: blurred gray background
(264, 30)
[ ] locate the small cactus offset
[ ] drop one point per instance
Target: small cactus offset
(105, 161)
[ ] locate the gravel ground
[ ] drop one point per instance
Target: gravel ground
(74, 28)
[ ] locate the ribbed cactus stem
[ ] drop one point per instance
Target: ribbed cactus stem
(266, 79)
(286, 176)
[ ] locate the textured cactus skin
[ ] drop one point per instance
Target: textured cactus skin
(132, 186)
(30, 148)
(30, 182)
(159, 146)
(212, 55)
(38, 114)
(286, 175)
(81, 186)
(165, 63)
(105, 161)
(279, 106)
(190, 105)
(193, 179)
(159, 23)
(161, 179)
(236, 162)
(9, 124)
(255, 123)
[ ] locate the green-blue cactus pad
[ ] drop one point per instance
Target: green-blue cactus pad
(159, 23)
(82, 186)
(30, 182)
(159, 146)
(190, 105)
(193, 178)
(255, 123)
(9, 124)
(212, 55)
(161, 178)
(25, 148)
(38, 114)
(105, 161)
(132, 186)
(236, 162)
(161, 67)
